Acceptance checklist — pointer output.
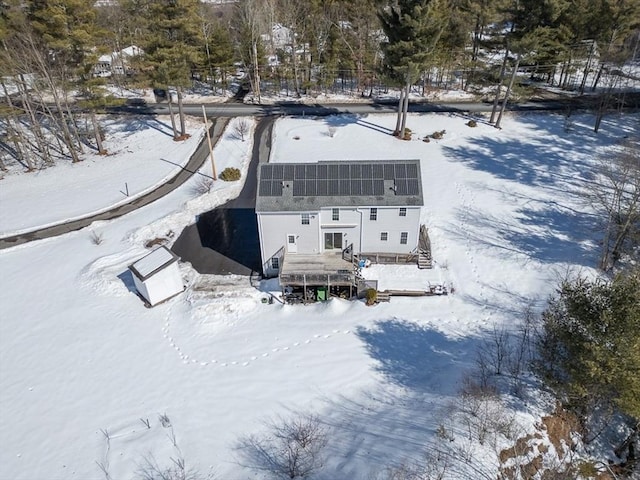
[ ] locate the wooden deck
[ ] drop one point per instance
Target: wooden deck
(318, 269)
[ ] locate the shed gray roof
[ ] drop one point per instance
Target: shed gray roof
(300, 187)
(152, 263)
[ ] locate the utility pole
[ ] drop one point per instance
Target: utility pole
(206, 127)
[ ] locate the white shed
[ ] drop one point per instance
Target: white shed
(157, 276)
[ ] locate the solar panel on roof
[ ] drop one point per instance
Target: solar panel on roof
(265, 188)
(367, 187)
(345, 188)
(344, 171)
(389, 171)
(288, 172)
(366, 170)
(412, 187)
(298, 188)
(378, 187)
(356, 187)
(356, 171)
(311, 171)
(333, 187)
(276, 188)
(322, 171)
(310, 187)
(412, 170)
(333, 173)
(401, 170)
(323, 187)
(266, 172)
(378, 171)
(299, 172)
(401, 186)
(276, 171)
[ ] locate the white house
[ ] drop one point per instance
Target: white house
(313, 216)
(157, 276)
(116, 63)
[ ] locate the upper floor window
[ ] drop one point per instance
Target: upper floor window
(373, 214)
(335, 214)
(403, 212)
(305, 219)
(404, 237)
(384, 236)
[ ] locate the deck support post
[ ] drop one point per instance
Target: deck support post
(304, 287)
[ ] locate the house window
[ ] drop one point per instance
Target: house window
(384, 236)
(335, 214)
(275, 263)
(373, 214)
(305, 219)
(403, 212)
(404, 236)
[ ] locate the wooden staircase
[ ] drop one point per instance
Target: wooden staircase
(424, 249)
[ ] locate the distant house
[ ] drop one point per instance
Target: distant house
(116, 63)
(316, 221)
(157, 276)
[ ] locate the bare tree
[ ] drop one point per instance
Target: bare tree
(616, 196)
(291, 448)
(241, 128)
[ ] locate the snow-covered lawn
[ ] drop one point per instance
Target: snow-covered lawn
(83, 363)
(141, 154)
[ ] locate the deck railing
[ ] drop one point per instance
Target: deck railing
(304, 279)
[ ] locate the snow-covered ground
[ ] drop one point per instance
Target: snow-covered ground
(84, 365)
(141, 154)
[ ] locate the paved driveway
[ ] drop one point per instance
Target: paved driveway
(225, 240)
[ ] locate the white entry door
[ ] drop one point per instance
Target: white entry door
(292, 245)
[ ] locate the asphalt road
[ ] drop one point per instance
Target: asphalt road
(195, 162)
(225, 240)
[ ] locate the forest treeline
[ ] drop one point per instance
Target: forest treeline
(49, 52)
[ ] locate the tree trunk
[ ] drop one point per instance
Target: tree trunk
(256, 72)
(396, 132)
(43, 147)
(12, 129)
(508, 92)
(183, 128)
(173, 120)
(405, 108)
(500, 81)
(587, 67)
(97, 134)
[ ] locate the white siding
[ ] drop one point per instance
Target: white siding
(390, 221)
(354, 224)
(162, 285)
(274, 228)
(348, 224)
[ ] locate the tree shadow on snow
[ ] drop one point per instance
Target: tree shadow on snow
(417, 357)
(544, 231)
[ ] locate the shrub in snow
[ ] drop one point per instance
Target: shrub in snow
(472, 123)
(371, 296)
(230, 174)
(407, 134)
(203, 185)
(437, 135)
(291, 448)
(96, 238)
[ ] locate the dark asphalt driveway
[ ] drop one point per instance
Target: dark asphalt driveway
(225, 240)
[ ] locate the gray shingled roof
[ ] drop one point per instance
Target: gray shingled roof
(300, 187)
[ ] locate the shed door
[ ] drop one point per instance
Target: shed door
(292, 245)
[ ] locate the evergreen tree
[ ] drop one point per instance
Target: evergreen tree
(173, 47)
(413, 29)
(590, 345)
